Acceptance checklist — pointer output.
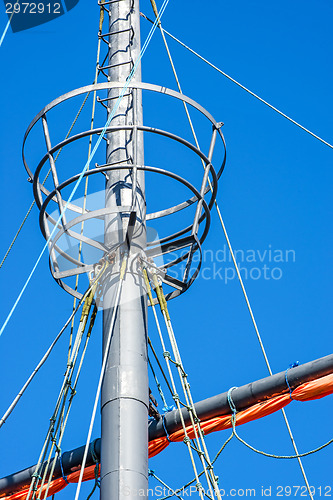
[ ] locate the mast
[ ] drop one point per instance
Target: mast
(124, 397)
(125, 389)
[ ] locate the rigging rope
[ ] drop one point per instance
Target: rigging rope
(60, 415)
(100, 138)
(122, 274)
(33, 203)
(231, 250)
(101, 18)
(200, 446)
(242, 86)
(270, 455)
(43, 360)
(72, 394)
(175, 396)
(6, 28)
(158, 385)
(159, 365)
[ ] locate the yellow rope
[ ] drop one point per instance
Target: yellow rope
(101, 18)
(228, 240)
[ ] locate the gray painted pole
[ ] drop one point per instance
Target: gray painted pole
(124, 397)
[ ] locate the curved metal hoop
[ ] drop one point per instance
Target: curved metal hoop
(174, 241)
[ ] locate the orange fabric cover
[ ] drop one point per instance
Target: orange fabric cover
(315, 389)
(305, 392)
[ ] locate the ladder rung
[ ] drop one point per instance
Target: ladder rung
(116, 32)
(110, 98)
(126, 160)
(100, 3)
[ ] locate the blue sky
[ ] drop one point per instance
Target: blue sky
(275, 194)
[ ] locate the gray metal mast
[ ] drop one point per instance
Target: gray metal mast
(125, 392)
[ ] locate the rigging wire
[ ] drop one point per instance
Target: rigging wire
(100, 138)
(6, 28)
(174, 492)
(43, 360)
(33, 203)
(158, 385)
(231, 250)
(242, 86)
(122, 275)
(203, 455)
(174, 391)
(101, 18)
(59, 418)
(64, 415)
(159, 364)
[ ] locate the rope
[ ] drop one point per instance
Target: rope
(151, 473)
(242, 86)
(159, 365)
(186, 485)
(33, 203)
(164, 308)
(158, 385)
(165, 429)
(292, 365)
(96, 470)
(63, 415)
(270, 455)
(101, 18)
(59, 418)
(262, 346)
(62, 470)
(166, 355)
(6, 29)
(100, 138)
(105, 357)
(200, 446)
(42, 361)
(233, 257)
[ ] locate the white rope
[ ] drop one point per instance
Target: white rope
(227, 237)
(100, 381)
(244, 88)
(101, 136)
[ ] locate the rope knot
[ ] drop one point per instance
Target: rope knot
(292, 365)
(231, 402)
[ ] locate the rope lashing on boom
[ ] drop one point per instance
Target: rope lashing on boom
(292, 365)
(270, 455)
